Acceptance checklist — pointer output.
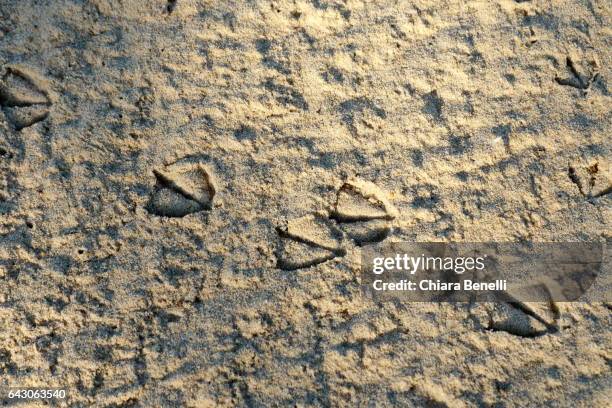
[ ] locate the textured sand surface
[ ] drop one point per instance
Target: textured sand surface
(171, 172)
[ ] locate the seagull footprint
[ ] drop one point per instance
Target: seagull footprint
(308, 241)
(23, 97)
(182, 189)
(363, 212)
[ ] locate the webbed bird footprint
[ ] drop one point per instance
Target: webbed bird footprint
(361, 213)
(23, 97)
(182, 189)
(523, 318)
(308, 241)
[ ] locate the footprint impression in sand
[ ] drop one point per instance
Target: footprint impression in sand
(361, 213)
(23, 97)
(182, 189)
(522, 318)
(308, 241)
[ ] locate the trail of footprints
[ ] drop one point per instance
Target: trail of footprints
(24, 98)
(361, 213)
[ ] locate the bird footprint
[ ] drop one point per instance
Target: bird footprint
(309, 241)
(182, 189)
(361, 213)
(23, 97)
(519, 317)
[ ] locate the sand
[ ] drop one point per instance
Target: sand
(170, 176)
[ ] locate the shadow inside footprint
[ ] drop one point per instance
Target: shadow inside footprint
(182, 189)
(23, 97)
(294, 255)
(367, 231)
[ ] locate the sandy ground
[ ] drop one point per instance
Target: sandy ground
(169, 172)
